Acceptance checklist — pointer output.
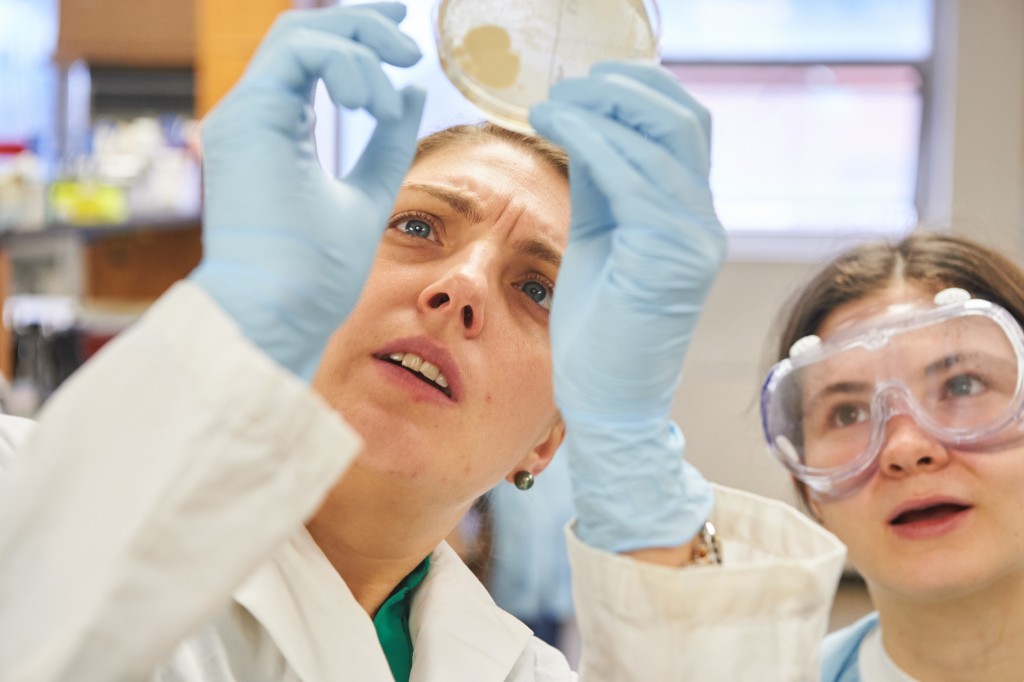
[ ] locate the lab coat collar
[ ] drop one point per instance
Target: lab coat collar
(458, 632)
(311, 615)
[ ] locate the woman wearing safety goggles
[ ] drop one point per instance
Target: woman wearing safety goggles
(897, 407)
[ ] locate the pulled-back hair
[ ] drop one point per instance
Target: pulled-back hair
(475, 133)
(929, 260)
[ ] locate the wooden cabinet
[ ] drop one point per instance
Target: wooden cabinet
(136, 33)
(138, 265)
(228, 33)
(216, 37)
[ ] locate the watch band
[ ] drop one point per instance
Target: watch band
(707, 549)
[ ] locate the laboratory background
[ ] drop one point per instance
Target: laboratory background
(834, 121)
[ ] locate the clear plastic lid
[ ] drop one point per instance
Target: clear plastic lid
(504, 56)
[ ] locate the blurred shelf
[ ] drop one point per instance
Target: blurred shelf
(127, 264)
(92, 231)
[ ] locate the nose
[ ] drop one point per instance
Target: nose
(908, 449)
(459, 293)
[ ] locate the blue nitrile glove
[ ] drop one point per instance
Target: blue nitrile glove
(287, 246)
(644, 247)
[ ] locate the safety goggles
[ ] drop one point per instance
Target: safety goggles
(955, 366)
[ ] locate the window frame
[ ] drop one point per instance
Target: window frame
(933, 159)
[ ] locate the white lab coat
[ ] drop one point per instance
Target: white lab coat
(155, 515)
(296, 618)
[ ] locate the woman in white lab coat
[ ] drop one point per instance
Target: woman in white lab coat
(897, 405)
(188, 508)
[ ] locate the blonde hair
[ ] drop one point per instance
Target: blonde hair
(476, 133)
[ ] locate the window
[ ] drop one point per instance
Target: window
(806, 148)
(756, 31)
(818, 109)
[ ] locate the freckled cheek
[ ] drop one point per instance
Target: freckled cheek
(388, 271)
(530, 382)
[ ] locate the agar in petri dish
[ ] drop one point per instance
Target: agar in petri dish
(505, 56)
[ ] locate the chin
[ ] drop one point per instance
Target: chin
(388, 452)
(939, 581)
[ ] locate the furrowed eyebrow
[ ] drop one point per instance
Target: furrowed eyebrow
(459, 201)
(469, 208)
(540, 250)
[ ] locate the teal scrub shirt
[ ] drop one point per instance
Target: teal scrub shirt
(392, 623)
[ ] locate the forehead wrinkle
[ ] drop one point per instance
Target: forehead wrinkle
(470, 206)
(518, 214)
(460, 201)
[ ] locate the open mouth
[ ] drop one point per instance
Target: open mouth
(932, 513)
(423, 370)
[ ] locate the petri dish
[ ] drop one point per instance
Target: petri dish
(505, 56)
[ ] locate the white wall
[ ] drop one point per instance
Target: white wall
(717, 405)
(974, 182)
(988, 144)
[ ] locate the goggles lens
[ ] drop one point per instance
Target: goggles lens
(956, 370)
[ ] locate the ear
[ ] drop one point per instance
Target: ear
(540, 456)
(810, 504)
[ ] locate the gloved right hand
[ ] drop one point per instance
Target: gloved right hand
(287, 246)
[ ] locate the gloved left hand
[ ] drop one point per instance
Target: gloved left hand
(644, 247)
(287, 247)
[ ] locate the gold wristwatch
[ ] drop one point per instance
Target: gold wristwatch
(707, 550)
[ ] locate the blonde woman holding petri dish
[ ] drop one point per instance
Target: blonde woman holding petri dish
(256, 480)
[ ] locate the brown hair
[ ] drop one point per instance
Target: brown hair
(932, 261)
(476, 133)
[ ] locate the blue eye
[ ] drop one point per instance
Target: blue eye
(416, 228)
(540, 294)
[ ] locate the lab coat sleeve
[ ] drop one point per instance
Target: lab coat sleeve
(157, 479)
(13, 432)
(759, 616)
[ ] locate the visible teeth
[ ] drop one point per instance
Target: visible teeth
(418, 364)
(430, 370)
